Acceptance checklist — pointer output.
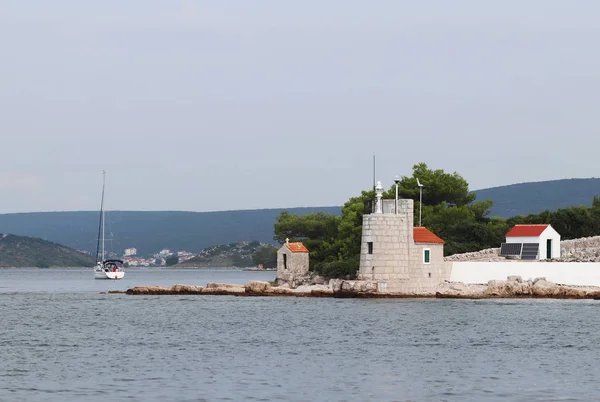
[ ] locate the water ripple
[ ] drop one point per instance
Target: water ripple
(82, 346)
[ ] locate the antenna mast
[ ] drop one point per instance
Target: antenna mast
(373, 172)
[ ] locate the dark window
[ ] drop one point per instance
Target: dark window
(426, 256)
(370, 247)
(285, 261)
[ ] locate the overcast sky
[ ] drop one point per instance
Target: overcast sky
(239, 104)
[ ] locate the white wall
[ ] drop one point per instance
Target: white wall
(567, 273)
(550, 233)
(523, 239)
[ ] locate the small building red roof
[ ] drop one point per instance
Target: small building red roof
(297, 247)
(423, 235)
(526, 230)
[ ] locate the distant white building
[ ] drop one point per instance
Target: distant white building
(165, 252)
(130, 251)
(532, 242)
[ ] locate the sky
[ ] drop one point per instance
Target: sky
(238, 104)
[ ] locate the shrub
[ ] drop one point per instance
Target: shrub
(339, 269)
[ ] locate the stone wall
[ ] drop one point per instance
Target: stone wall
(585, 249)
(295, 271)
(390, 236)
(424, 278)
(487, 255)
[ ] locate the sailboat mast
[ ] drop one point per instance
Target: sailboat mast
(101, 223)
(103, 183)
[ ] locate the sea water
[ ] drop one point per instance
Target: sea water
(63, 339)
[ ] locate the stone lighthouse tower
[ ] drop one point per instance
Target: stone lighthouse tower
(401, 257)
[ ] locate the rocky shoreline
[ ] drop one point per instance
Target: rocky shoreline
(513, 287)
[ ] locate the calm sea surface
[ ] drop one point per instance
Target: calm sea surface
(61, 339)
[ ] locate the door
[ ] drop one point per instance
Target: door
(549, 248)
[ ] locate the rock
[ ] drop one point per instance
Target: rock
(224, 290)
(258, 286)
(318, 280)
(514, 278)
(280, 290)
(213, 285)
(336, 284)
(460, 290)
(368, 287)
(148, 290)
(321, 292)
(543, 288)
(186, 289)
(303, 289)
(506, 289)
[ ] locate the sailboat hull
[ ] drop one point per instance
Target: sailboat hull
(108, 275)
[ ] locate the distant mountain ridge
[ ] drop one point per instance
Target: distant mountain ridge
(536, 197)
(150, 232)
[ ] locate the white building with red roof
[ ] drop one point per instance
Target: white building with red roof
(532, 242)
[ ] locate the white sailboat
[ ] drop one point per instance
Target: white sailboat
(105, 269)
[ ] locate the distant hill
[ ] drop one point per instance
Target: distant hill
(225, 255)
(150, 232)
(536, 197)
(22, 251)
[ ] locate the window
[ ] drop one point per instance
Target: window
(285, 261)
(426, 256)
(370, 247)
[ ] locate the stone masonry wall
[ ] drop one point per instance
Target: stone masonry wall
(396, 259)
(390, 248)
(297, 267)
(424, 278)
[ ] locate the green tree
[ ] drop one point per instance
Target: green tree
(318, 231)
(438, 187)
(265, 255)
(350, 224)
(171, 260)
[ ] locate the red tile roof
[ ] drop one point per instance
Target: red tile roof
(423, 235)
(297, 247)
(526, 230)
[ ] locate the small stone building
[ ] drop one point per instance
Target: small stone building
(531, 242)
(292, 263)
(400, 257)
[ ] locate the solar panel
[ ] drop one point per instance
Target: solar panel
(510, 249)
(530, 251)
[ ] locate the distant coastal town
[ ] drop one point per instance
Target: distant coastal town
(131, 259)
